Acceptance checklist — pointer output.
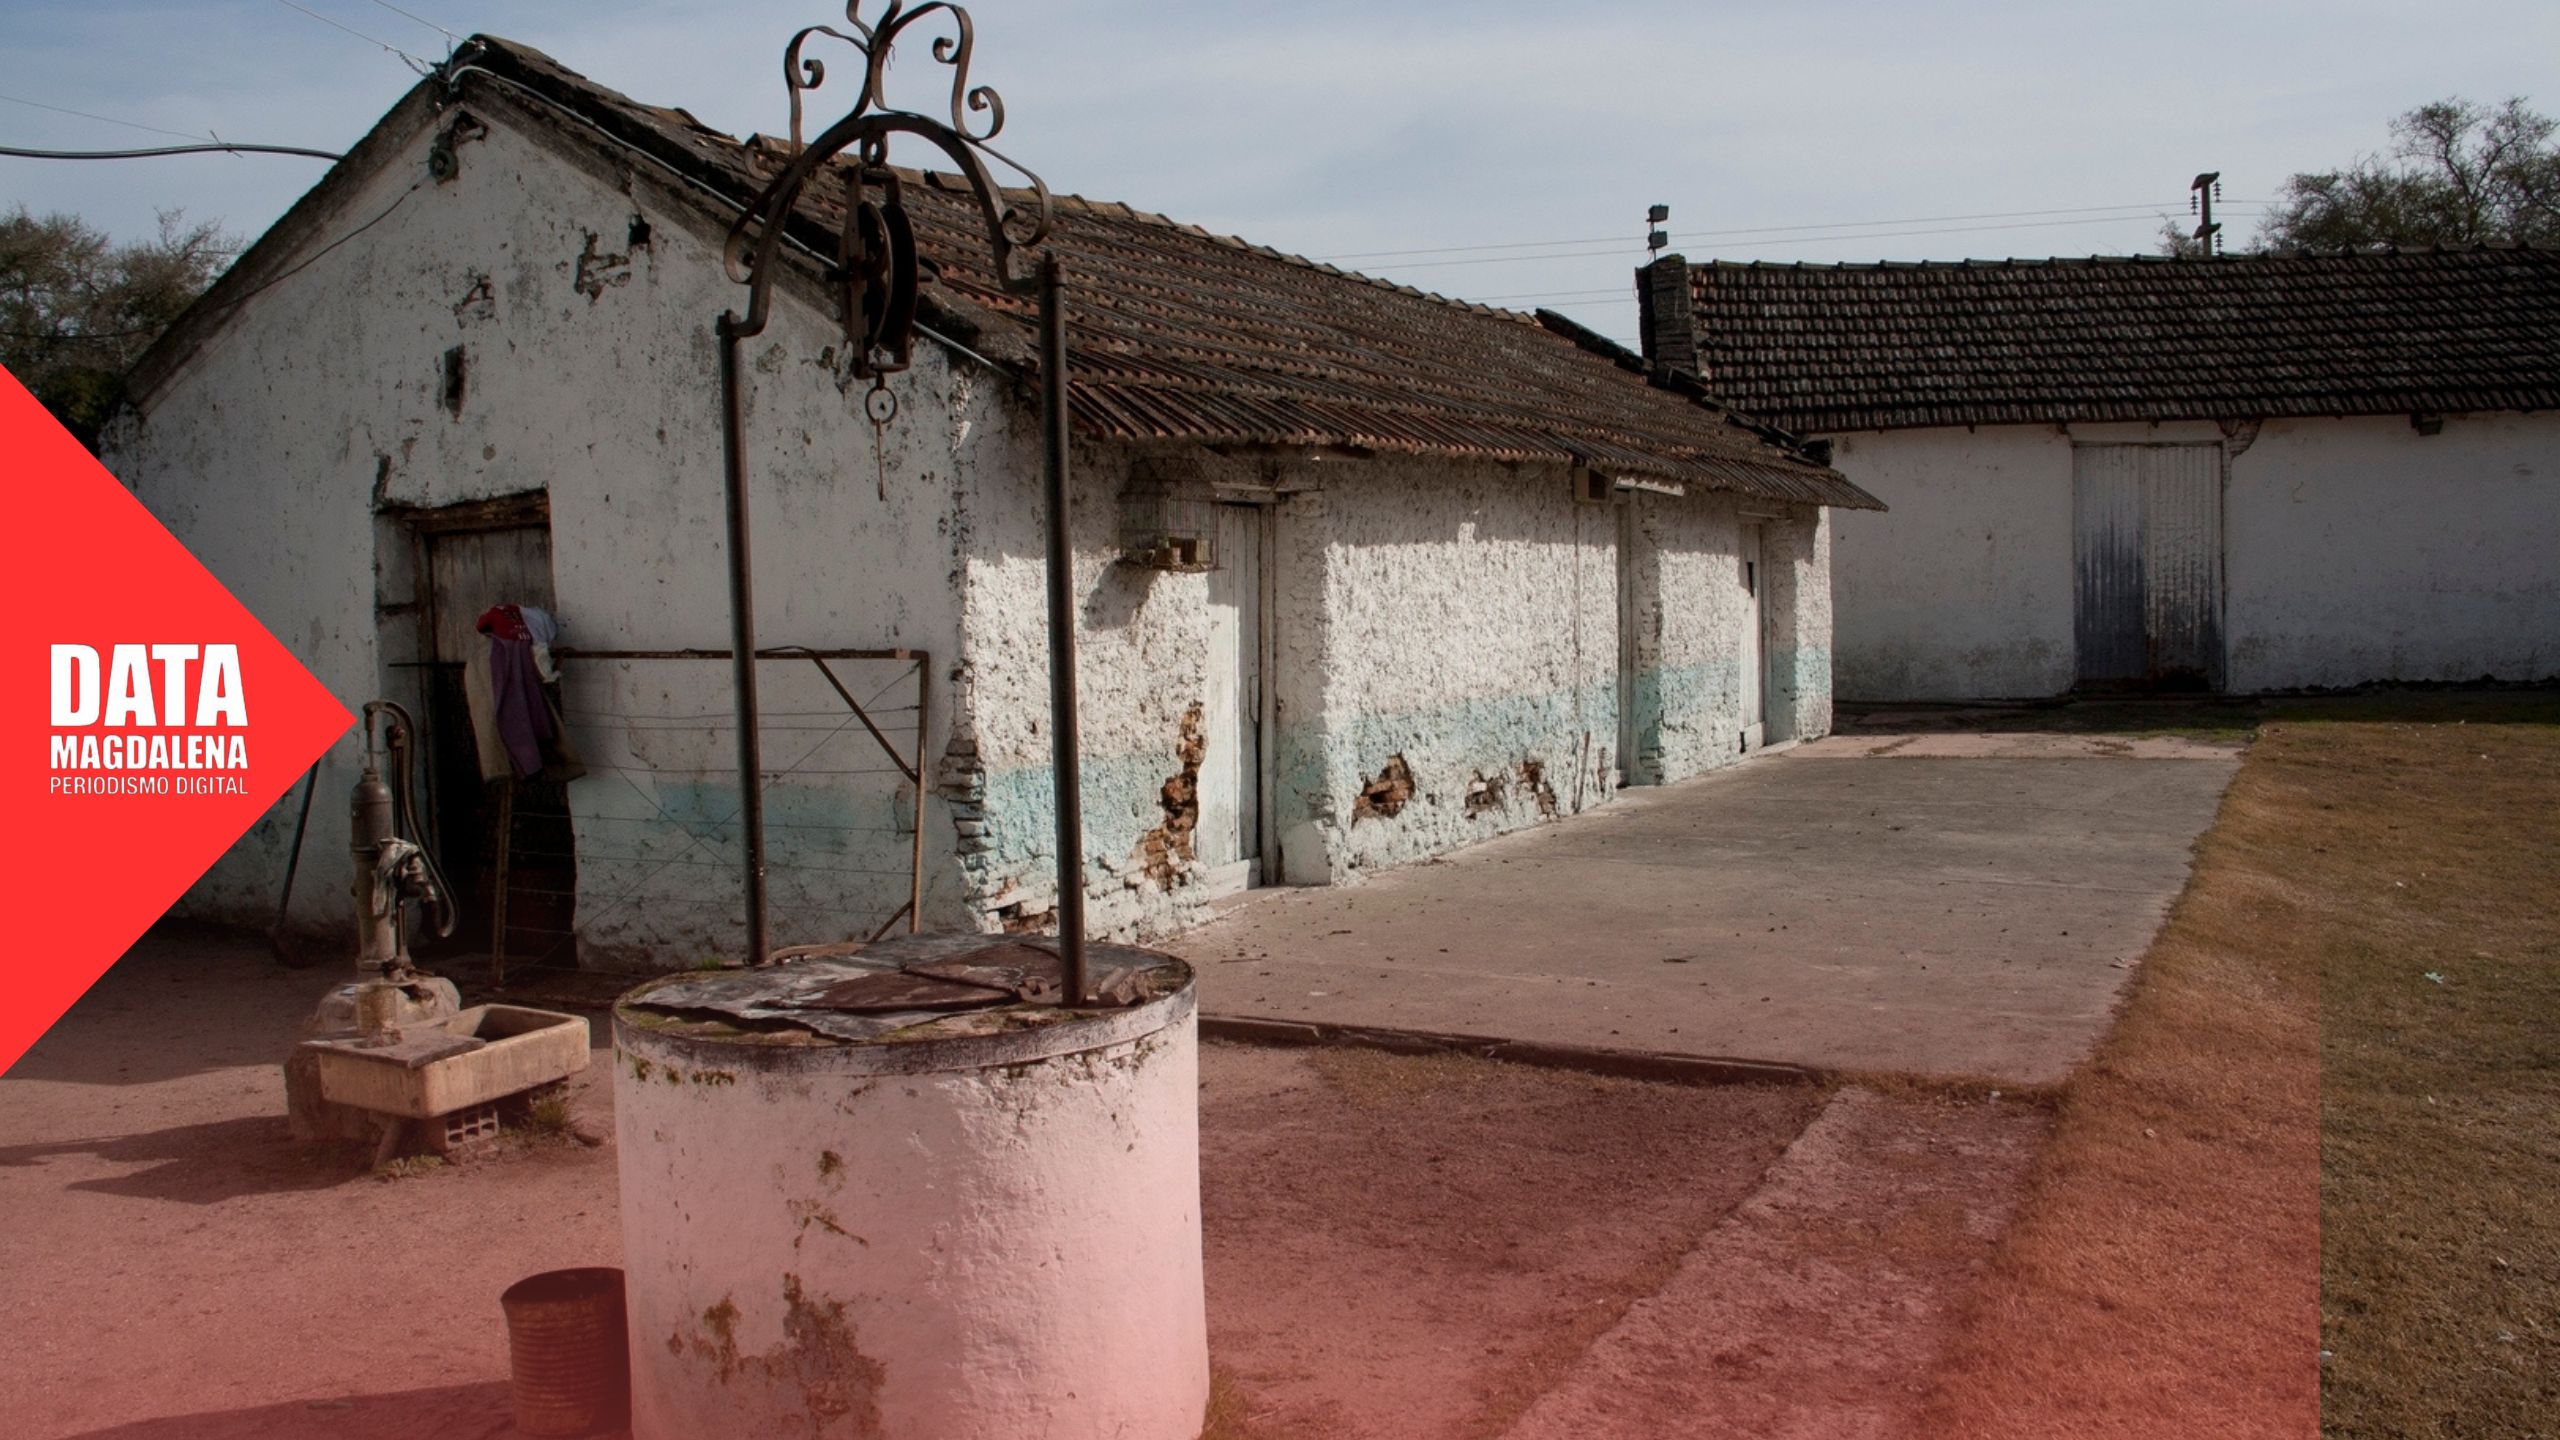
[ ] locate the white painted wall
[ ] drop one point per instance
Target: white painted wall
(2361, 550)
(318, 402)
(2355, 550)
(1458, 619)
(1797, 552)
(1962, 588)
(1461, 616)
(1690, 606)
(1469, 625)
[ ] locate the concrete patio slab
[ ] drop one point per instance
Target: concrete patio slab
(1971, 906)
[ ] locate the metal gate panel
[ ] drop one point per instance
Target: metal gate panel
(2182, 564)
(2107, 562)
(2147, 564)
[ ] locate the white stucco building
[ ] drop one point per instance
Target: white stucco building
(2244, 473)
(1458, 570)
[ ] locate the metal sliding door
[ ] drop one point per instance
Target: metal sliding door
(2147, 565)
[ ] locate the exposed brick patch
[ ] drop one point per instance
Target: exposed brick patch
(1533, 778)
(1383, 797)
(1165, 853)
(597, 271)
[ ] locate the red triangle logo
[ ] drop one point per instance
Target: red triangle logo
(146, 719)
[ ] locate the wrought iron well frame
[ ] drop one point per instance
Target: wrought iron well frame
(876, 275)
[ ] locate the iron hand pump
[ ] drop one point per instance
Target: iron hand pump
(875, 273)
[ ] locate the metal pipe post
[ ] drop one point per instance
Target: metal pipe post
(742, 643)
(1063, 738)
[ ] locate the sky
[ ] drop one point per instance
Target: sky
(1402, 139)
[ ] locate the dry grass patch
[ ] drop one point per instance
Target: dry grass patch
(2166, 1273)
(2440, 1095)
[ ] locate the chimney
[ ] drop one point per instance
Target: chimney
(1668, 317)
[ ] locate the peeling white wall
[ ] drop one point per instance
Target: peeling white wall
(1445, 667)
(2355, 550)
(1458, 619)
(1796, 551)
(1142, 644)
(1469, 629)
(1690, 604)
(320, 402)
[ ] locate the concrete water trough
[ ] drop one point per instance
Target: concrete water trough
(439, 1067)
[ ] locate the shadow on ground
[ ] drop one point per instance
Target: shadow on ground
(448, 1412)
(204, 1164)
(2227, 717)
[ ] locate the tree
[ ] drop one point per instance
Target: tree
(2457, 174)
(2178, 239)
(77, 309)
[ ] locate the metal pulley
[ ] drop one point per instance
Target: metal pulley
(877, 272)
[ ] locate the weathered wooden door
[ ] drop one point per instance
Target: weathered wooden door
(2147, 564)
(1228, 839)
(1753, 662)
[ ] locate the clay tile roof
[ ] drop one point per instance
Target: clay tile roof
(1821, 348)
(1176, 334)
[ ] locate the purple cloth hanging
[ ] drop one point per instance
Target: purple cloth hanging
(515, 689)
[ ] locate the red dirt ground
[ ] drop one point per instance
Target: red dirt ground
(1408, 1247)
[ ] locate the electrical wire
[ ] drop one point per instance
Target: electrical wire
(421, 66)
(2131, 211)
(253, 292)
(110, 119)
(1624, 249)
(421, 19)
(219, 149)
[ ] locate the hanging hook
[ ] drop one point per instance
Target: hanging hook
(881, 406)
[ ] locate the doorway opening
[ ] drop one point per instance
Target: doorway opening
(2146, 523)
(1232, 838)
(470, 557)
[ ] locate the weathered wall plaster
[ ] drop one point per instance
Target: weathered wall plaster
(1963, 587)
(543, 323)
(328, 399)
(2354, 550)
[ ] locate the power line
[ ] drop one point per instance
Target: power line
(414, 63)
(216, 149)
(2127, 212)
(1629, 245)
(1626, 292)
(254, 291)
(108, 119)
(421, 19)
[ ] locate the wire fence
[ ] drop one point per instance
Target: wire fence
(639, 861)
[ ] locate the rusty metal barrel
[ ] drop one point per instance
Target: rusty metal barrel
(568, 1356)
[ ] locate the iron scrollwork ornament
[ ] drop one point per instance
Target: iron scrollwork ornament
(876, 268)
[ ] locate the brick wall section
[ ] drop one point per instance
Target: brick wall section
(1667, 314)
